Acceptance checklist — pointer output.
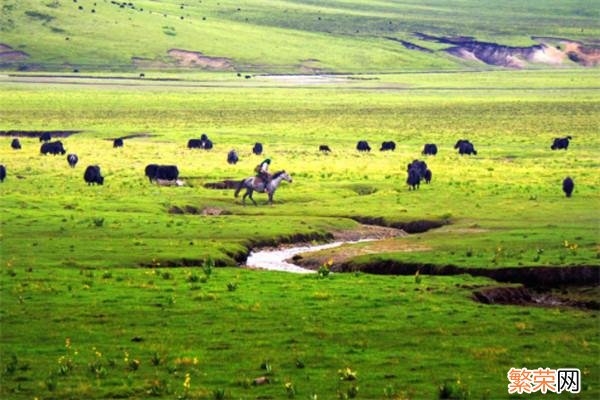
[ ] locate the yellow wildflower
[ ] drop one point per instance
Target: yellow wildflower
(187, 383)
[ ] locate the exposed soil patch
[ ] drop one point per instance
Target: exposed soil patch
(33, 134)
(409, 45)
(468, 48)
(520, 295)
(7, 54)
(226, 184)
(339, 255)
(186, 58)
(132, 136)
(368, 232)
(137, 135)
(197, 211)
(418, 226)
(306, 79)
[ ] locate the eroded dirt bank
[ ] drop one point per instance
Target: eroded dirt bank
(34, 134)
(583, 297)
(549, 51)
(529, 276)
(418, 226)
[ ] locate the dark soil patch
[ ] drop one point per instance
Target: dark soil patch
(409, 45)
(33, 134)
(521, 295)
(133, 136)
(197, 211)
(418, 226)
(225, 184)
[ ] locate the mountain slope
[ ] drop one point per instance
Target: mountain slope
(274, 35)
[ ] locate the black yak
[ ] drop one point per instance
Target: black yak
(414, 178)
(568, 186)
(427, 176)
(232, 157)
(465, 147)
(385, 146)
(150, 171)
(72, 160)
(92, 175)
(429, 149)
(561, 143)
(363, 145)
(53, 148)
(167, 172)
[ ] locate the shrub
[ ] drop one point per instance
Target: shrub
(454, 390)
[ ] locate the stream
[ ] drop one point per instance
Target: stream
(274, 259)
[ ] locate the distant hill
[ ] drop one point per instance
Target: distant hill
(293, 36)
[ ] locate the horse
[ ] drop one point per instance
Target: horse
(255, 183)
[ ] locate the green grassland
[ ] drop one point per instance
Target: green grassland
(71, 254)
(278, 36)
(403, 340)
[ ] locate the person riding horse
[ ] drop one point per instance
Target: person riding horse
(263, 172)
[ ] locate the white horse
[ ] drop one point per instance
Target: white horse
(256, 184)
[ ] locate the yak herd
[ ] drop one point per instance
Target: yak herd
(417, 171)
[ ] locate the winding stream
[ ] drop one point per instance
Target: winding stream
(274, 259)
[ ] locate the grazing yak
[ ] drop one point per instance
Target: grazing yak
(568, 186)
(419, 166)
(118, 142)
(427, 176)
(465, 147)
(414, 178)
(150, 171)
(363, 145)
(417, 170)
(72, 160)
(232, 157)
(2, 172)
(53, 148)
(15, 144)
(385, 146)
(257, 149)
(195, 144)
(324, 148)
(203, 143)
(429, 149)
(45, 137)
(92, 175)
(561, 143)
(167, 172)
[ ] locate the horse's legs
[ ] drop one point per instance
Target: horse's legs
(252, 198)
(271, 198)
(244, 198)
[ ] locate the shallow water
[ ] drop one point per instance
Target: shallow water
(274, 260)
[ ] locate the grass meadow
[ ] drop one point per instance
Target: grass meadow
(90, 308)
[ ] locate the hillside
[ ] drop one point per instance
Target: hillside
(295, 36)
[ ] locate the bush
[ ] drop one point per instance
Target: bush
(454, 390)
